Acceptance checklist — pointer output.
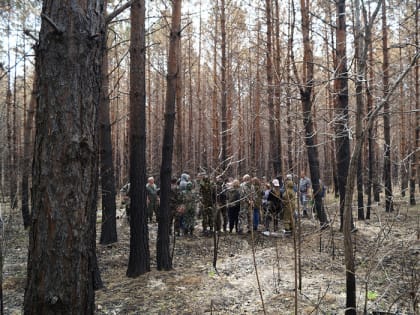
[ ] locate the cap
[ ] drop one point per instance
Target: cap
(289, 176)
(276, 183)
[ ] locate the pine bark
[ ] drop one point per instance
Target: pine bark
(415, 160)
(109, 208)
(386, 115)
(164, 259)
(139, 259)
(342, 141)
(61, 259)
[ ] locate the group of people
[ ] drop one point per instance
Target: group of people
(235, 205)
(231, 205)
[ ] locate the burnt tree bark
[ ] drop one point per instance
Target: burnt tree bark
(27, 157)
(163, 255)
(386, 115)
(61, 258)
(274, 158)
(342, 141)
(415, 160)
(139, 259)
(223, 108)
(306, 85)
(109, 208)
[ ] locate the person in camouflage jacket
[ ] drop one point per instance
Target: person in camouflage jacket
(208, 199)
(188, 200)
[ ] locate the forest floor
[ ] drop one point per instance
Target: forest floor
(387, 252)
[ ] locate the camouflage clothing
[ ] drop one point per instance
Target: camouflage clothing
(152, 201)
(188, 199)
(289, 203)
(174, 202)
(233, 205)
(246, 206)
(208, 199)
(221, 212)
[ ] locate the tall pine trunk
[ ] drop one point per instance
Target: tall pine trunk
(163, 258)
(386, 115)
(306, 84)
(61, 258)
(109, 208)
(415, 160)
(139, 259)
(342, 141)
(224, 92)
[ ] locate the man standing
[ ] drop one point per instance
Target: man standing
(304, 186)
(152, 199)
(247, 204)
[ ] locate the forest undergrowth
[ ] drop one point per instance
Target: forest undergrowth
(387, 251)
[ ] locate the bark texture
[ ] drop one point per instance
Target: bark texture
(139, 259)
(164, 259)
(62, 235)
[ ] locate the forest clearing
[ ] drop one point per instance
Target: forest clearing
(243, 110)
(388, 269)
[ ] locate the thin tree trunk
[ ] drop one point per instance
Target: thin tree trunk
(415, 160)
(360, 78)
(386, 115)
(223, 71)
(277, 91)
(342, 141)
(163, 258)
(270, 91)
(139, 259)
(306, 90)
(27, 148)
(109, 207)
(215, 125)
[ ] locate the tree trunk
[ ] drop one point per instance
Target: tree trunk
(164, 259)
(109, 208)
(386, 115)
(139, 260)
(342, 141)
(270, 92)
(415, 160)
(27, 157)
(306, 90)
(223, 70)
(62, 236)
(360, 78)
(277, 92)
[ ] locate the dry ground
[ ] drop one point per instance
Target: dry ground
(387, 251)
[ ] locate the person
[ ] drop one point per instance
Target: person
(125, 199)
(221, 198)
(289, 202)
(275, 200)
(304, 186)
(233, 204)
(246, 204)
(174, 204)
(289, 177)
(208, 199)
(266, 206)
(188, 200)
(183, 181)
(152, 199)
(257, 198)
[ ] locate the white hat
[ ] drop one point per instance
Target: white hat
(289, 176)
(276, 183)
